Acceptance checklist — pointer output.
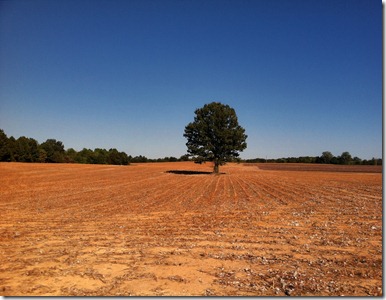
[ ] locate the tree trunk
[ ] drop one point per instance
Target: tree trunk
(216, 167)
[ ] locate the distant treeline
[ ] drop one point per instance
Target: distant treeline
(326, 158)
(26, 149)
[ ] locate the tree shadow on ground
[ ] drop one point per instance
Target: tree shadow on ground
(189, 172)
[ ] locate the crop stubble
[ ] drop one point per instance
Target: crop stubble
(139, 230)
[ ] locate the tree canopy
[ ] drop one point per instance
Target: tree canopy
(326, 158)
(26, 149)
(215, 134)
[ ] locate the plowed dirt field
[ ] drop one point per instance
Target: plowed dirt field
(96, 230)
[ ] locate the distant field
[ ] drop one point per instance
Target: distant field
(317, 167)
(256, 230)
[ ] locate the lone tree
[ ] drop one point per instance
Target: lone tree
(215, 134)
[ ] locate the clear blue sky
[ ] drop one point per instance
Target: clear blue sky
(304, 76)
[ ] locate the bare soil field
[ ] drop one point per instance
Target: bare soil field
(75, 230)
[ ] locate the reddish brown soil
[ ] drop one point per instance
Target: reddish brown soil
(138, 230)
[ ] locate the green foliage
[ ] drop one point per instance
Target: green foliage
(26, 150)
(184, 157)
(12, 148)
(215, 134)
(101, 156)
(5, 154)
(114, 157)
(54, 151)
(139, 159)
(345, 158)
(42, 155)
(85, 156)
(70, 155)
(326, 158)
